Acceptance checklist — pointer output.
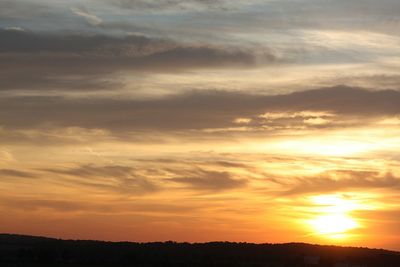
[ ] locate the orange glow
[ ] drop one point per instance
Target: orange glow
(334, 225)
(333, 215)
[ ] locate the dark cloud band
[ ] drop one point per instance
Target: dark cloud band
(195, 110)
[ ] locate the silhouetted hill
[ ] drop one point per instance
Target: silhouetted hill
(17, 250)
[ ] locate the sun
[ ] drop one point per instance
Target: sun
(333, 216)
(334, 225)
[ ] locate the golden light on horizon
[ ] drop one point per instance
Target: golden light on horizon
(334, 225)
(333, 219)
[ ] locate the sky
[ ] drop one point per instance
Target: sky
(198, 120)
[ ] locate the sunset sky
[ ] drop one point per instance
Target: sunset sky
(201, 120)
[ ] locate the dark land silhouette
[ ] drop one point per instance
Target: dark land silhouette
(18, 250)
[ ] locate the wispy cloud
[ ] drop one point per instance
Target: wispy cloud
(210, 180)
(203, 110)
(9, 173)
(336, 181)
(90, 18)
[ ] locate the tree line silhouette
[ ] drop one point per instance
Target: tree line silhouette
(17, 250)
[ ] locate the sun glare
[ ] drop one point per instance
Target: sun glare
(333, 219)
(334, 224)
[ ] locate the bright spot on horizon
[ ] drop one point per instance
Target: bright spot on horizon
(334, 220)
(334, 225)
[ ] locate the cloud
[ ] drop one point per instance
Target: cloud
(61, 205)
(21, 9)
(6, 156)
(89, 171)
(9, 173)
(84, 44)
(162, 5)
(121, 179)
(18, 29)
(90, 18)
(44, 61)
(200, 110)
(337, 181)
(210, 181)
(144, 179)
(59, 136)
(32, 204)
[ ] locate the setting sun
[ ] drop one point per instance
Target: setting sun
(334, 225)
(333, 217)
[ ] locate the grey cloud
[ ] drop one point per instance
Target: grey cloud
(45, 81)
(34, 42)
(286, 15)
(17, 10)
(190, 111)
(45, 61)
(287, 11)
(368, 7)
(210, 180)
(41, 15)
(169, 4)
(331, 14)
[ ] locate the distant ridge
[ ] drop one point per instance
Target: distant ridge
(23, 250)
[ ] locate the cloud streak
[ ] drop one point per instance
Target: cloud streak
(121, 179)
(90, 18)
(210, 181)
(170, 4)
(337, 181)
(197, 110)
(9, 173)
(32, 61)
